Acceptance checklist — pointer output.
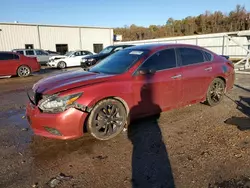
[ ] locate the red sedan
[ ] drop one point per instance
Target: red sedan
(133, 83)
(17, 64)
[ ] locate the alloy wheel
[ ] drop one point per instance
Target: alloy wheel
(62, 65)
(217, 91)
(108, 120)
(23, 71)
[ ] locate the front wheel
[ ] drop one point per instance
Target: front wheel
(107, 119)
(61, 65)
(215, 92)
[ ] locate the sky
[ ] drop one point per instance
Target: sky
(109, 13)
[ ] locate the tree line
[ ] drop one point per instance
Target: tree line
(216, 22)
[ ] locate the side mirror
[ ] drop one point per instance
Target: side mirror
(146, 71)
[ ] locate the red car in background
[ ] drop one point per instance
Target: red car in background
(133, 83)
(16, 64)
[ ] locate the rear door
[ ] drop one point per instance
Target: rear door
(8, 63)
(161, 90)
(197, 74)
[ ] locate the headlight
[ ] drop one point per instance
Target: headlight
(58, 104)
(84, 60)
(92, 59)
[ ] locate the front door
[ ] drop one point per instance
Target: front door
(157, 91)
(75, 60)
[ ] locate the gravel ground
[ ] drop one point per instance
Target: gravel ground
(195, 146)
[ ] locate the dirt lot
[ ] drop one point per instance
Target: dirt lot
(196, 146)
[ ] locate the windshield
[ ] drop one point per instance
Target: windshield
(107, 50)
(119, 62)
(69, 53)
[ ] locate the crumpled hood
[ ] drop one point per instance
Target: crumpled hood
(68, 80)
(57, 57)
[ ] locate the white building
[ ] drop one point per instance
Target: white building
(217, 42)
(54, 37)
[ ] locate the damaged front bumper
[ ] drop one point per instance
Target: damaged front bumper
(64, 125)
(51, 64)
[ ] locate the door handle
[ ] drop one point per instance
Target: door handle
(177, 76)
(208, 69)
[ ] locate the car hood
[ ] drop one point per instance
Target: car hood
(57, 56)
(68, 80)
(96, 56)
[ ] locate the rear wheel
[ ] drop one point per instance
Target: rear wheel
(107, 119)
(23, 71)
(61, 65)
(215, 92)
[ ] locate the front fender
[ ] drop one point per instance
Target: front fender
(120, 90)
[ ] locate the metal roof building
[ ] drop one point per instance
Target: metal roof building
(54, 37)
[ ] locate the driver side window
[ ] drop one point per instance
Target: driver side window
(161, 60)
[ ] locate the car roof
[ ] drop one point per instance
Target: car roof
(122, 45)
(155, 46)
(8, 52)
(27, 49)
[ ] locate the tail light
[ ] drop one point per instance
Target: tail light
(230, 63)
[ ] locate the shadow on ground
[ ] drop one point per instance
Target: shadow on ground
(243, 105)
(150, 163)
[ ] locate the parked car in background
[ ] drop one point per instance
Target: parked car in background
(52, 52)
(70, 59)
(94, 59)
(41, 55)
(70, 53)
(16, 64)
(133, 83)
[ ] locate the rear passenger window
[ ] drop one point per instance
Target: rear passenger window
(191, 56)
(20, 52)
(6, 56)
(30, 52)
(77, 53)
(208, 56)
(164, 59)
(15, 56)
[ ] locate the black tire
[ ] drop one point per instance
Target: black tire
(107, 119)
(215, 92)
(23, 71)
(61, 65)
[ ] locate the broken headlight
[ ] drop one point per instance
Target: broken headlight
(55, 103)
